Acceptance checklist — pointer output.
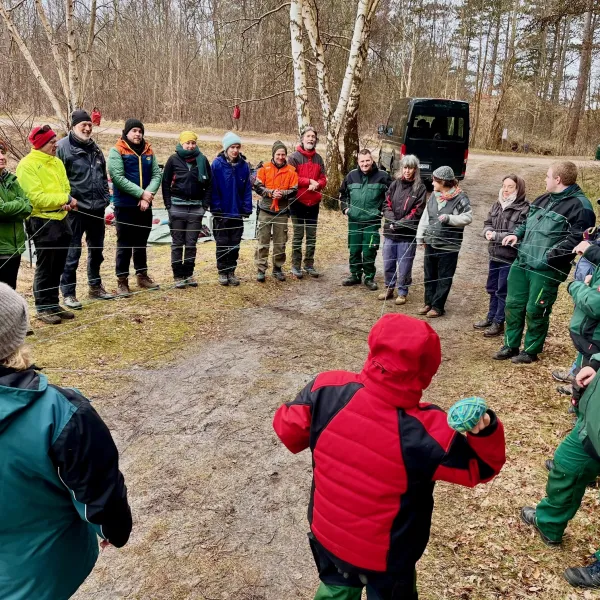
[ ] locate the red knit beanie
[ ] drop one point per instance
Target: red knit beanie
(40, 136)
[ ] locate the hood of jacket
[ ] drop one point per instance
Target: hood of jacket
(404, 355)
(18, 390)
(305, 152)
(124, 148)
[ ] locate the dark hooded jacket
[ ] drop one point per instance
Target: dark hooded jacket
(404, 204)
(378, 450)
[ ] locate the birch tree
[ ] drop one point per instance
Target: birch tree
(299, 63)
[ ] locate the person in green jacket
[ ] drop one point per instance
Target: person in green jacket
(554, 226)
(136, 177)
(361, 199)
(14, 209)
(62, 494)
(576, 463)
(44, 180)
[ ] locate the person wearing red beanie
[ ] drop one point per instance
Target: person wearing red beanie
(44, 180)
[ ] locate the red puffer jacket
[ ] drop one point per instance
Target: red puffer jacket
(377, 450)
(309, 165)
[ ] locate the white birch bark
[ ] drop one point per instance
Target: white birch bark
(88, 53)
(72, 50)
(300, 86)
(10, 25)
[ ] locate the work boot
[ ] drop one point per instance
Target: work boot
(223, 279)
(565, 390)
(145, 282)
(585, 577)
(483, 324)
(371, 284)
(424, 310)
(312, 272)
(191, 281)
(387, 295)
(528, 517)
(352, 280)
(180, 283)
(494, 330)
(64, 314)
(400, 300)
(233, 280)
(563, 375)
(524, 358)
(505, 353)
(279, 275)
(72, 303)
(98, 292)
(297, 272)
(123, 287)
(49, 318)
(261, 277)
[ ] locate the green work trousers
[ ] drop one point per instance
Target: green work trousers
(363, 242)
(275, 228)
(573, 469)
(531, 295)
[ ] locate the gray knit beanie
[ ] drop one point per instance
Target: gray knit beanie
(14, 320)
(444, 173)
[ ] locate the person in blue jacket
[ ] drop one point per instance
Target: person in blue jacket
(230, 203)
(61, 486)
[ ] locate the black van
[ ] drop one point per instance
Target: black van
(435, 130)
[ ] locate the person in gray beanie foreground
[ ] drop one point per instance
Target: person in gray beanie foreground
(441, 228)
(61, 484)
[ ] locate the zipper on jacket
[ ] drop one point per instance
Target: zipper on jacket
(139, 162)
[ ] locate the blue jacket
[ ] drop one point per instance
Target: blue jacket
(231, 188)
(60, 488)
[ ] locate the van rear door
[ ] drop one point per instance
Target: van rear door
(437, 132)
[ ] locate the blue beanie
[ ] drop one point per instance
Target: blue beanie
(229, 139)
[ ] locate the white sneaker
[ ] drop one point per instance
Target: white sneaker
(72, 302)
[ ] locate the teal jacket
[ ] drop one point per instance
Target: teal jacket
(14, 209)
(60, 488)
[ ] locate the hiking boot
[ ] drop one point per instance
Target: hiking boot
(98, 292)
(191, 281)
(586, 577)
(549, 464)
(370, 284)
(565, 390)
(528, 517)
(424, 310)
(524, 358)
(233, 280)
(223, 279)
(297, 272)
(352, 280)
(48, 318)
(261, 277)
(400, 300)
(563, 375)
(279, 275)
(64, 314)
(312, 272)
(434, 313)
(505, 353)
(483, 324)
(123, 287)
(145, 282)
(72, 303)
(387, 295)
(494, 329)
(180, 283)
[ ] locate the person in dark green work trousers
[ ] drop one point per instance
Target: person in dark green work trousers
(554, 226)
(361, 199)
(576, 463)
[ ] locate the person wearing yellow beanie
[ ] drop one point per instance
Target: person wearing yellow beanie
(187, 136)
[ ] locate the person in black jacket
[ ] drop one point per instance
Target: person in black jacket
(402, 210)
(509, 211)
(86, 170)
(186, 193)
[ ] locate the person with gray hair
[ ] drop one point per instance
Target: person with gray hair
(402, 209)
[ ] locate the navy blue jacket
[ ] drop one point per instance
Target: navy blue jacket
(231, 194)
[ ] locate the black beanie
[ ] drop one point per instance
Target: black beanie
(79, 116)
(278, 145)
(130, 124)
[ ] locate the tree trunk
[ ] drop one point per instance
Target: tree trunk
(582, 79)
(300, 86)
(560, 70)
(494, 59)
(72, 52)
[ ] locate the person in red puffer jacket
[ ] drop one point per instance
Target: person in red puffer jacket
(377, 452)
(305, 209)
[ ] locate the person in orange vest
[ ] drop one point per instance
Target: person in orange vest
(237, 113)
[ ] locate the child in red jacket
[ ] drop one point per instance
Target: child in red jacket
(377, 453)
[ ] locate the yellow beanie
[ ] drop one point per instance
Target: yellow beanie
(187, 136)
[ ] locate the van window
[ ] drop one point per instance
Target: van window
(440, 127)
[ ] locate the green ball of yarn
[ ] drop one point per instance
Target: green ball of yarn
(465, 414)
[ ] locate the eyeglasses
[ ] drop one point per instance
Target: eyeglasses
(44, 129)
